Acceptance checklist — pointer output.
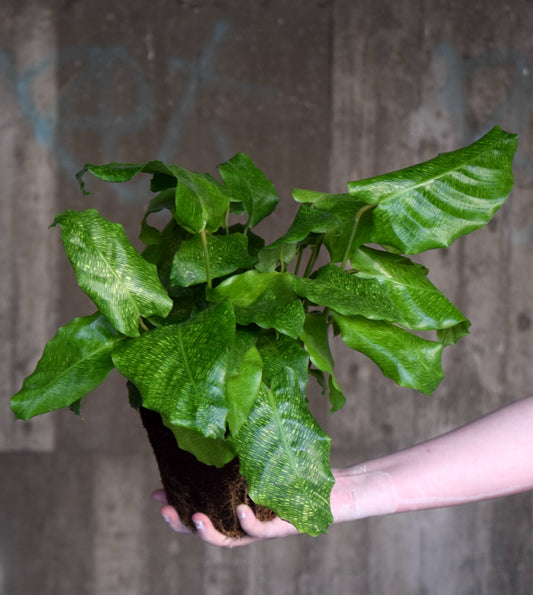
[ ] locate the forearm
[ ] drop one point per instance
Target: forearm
(490, 457)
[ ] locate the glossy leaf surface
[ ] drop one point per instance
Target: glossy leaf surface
(408, 359)
(279, 352)
(246, 183)
(243, 388)
(180, 370)
(266, 299)
(315, 338)
(398, 292)
(201, 202)
(343, 209)
(210, 451)
(121, 172)
(111, 272)
(73, 363)
(433, 203)
(284, 456)
(308, 222)
(226, 253)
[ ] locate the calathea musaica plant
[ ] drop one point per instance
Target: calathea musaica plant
(219, 332)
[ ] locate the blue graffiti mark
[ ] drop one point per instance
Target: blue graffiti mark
(98, 66)
(87, 99)
(202, 74)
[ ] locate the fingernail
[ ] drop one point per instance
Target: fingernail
(166, 519)
(199, 525)
(241, 513)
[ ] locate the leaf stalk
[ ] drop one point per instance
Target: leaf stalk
(358, 216)
(203, 234)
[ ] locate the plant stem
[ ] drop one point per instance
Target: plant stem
(312, 259)
(298, 261)
(203, 233)
(358, 216)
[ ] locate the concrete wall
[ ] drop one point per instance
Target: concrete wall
(318, 93)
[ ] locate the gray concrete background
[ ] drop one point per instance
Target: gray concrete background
(318, 93)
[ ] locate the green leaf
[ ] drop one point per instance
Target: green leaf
(210, 451)
(180, 370)
(339, 213)
(121, 172)
(279, 352)
(248, 184)
(73, 363)
(243, 388)
(409, 291)
(336, 396)
(450, 336)
(313, 197)
(201, 201)
(309, 220)
(164, 200)
(227, 253)
(307, 224)
(266, 299)
(284, 456)
(110, 271)
(386, 287)
(163, 181)
(409, 360)
(269, 257)
(432, 204)
(315, 338)
(245, 339)
(162, 254)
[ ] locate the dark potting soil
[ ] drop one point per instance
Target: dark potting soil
(191, 486)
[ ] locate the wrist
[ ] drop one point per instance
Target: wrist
(360, 493)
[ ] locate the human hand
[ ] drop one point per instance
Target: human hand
(347, 482)
(256, 530)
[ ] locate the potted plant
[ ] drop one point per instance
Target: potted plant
(217, 333)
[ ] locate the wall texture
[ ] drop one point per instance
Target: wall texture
(318, 93)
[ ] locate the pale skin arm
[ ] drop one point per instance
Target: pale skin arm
(488, 458)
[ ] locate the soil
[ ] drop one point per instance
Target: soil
(191, 486)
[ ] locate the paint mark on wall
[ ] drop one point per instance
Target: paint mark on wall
(105, 94)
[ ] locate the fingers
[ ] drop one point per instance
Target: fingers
(204, 527)
(210, 535)
(256, 530)
(172, 519)
(263, 529)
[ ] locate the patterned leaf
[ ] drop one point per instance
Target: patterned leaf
(266, 299)
(74, 362)
(284, 456)
(201, 202)
(407, 359)
(315, 338)
(111, 272)
(249, 185)
(180, 370)
(227, 253)
(385, 287)
(431, 204)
